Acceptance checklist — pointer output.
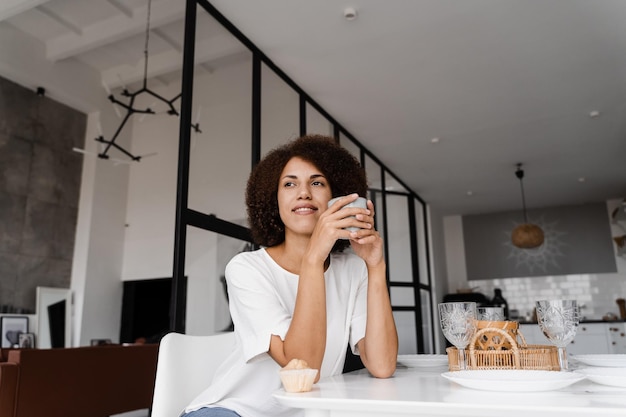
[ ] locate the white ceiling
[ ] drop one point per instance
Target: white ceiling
(496, 81)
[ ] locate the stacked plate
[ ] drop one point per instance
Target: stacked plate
(513, 380)
(423, 360)
(604, 369)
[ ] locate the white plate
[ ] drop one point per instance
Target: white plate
(613, 361)
(423, 360)
(615, 377)
(514, 380)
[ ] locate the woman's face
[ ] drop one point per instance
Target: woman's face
(303, 195)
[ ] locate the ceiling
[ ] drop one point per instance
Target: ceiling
(450, 95)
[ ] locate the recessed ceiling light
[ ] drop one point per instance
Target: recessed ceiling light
(349, 13)
(434, 140)
(594, 113)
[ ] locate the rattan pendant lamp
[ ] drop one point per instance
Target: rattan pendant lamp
(526, 235)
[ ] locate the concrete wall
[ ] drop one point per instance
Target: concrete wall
(39, 186)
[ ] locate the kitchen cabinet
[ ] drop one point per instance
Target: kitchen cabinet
(590, 338)
(533, 335)
(599, 338)
(617, 337)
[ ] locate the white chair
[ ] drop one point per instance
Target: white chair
(186, 365)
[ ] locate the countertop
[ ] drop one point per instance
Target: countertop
(581, 321)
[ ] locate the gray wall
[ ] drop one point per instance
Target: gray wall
(577, 241)
(39, 189)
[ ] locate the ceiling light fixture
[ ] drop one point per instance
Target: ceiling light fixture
(349, 13)
(526, 235)
(130, 108)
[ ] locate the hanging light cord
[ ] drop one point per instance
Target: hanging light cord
(520, 174)
(145, 50)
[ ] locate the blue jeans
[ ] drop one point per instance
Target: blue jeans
(211, 412)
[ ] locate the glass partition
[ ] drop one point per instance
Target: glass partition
(407, 338)
(245, 106)
(420, 232)
(316, 123)
(427, 319)
(220, 152)
(379, 213)
(205, 263)
(374, 173)
(392, 184)
(350, 146)
(398, 239)
(280, 113)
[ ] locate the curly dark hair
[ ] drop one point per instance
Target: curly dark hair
(342, 170)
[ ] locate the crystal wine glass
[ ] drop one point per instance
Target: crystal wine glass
(558, 320)
(490, 313)
(458, 324)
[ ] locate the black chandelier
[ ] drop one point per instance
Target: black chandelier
(130, 108)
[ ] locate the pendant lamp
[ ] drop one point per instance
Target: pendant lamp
(526, 235)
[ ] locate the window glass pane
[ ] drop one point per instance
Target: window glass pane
(220, 152)
(421, 243)
(316, 123)
(207, 254)
(400, 269)
(220, 157)
(350, 146)
(405, 324)
(402, 296)
(280, 115)
(373, 170)
(379, 213)
(427, 331)
(391, 184)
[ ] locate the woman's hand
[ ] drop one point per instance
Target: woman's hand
(366, 242)
(332, 225)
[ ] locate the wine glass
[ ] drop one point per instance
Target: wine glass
(558, 320)
(458, 324)
(490, 313)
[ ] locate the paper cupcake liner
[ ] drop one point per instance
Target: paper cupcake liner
(298, 380)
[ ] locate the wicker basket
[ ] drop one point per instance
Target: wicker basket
(518, 356)
(492, 339)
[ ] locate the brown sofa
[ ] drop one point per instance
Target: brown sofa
(89, 381)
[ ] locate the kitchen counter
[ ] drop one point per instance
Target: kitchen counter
(581, 321)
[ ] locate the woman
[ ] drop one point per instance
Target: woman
(300, 297)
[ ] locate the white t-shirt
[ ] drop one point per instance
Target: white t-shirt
(262, 299)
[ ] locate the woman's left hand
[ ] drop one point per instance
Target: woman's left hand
(367, 243)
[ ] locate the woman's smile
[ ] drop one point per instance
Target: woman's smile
(305, 209)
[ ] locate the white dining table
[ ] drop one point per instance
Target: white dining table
(424, 392)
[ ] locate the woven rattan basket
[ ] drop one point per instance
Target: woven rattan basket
(518, 356)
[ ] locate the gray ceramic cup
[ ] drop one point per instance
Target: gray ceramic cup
(359, 202)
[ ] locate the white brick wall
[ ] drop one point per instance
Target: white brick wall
(595, 292)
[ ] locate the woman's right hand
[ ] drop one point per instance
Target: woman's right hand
(332, 225)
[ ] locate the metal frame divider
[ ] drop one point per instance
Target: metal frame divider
(187, 217)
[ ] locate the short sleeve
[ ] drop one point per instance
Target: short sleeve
(256, 306)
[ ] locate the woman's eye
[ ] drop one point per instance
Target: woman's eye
(289, 184)
(318, 183)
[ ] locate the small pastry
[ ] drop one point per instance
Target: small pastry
(297, 376)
